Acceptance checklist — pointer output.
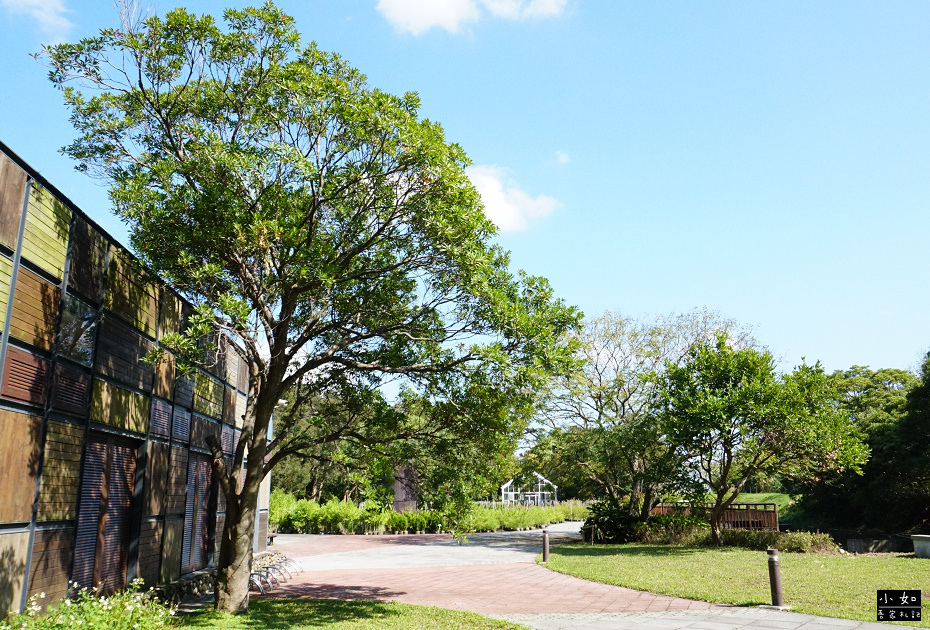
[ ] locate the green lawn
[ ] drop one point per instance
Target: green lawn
(304, 614)
(781, 499)
(819, 584)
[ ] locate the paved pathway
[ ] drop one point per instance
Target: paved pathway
(496, 575)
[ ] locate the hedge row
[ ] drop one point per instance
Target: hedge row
(291, 515)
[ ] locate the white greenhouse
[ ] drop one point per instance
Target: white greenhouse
(541, 492)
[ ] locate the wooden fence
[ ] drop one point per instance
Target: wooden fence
(756, 516)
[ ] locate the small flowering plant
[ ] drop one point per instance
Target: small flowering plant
(124, 610)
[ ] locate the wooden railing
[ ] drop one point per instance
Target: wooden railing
(757, 516)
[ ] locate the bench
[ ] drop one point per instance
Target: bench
(271, 538)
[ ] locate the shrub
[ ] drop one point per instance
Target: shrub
(791, 542)
(672, 529)
(612, 521)
(302, 519)
(485, 520)
(126, 609)
(279, 505)
(397, 522)
(375, 517)
(339, 516)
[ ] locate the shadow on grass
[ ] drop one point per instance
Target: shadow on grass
(595, 551)
(322, 590)
(288, 613)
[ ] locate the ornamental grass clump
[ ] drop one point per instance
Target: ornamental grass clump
(130, 609)
(791, 542)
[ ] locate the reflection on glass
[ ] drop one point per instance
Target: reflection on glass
(78, 330)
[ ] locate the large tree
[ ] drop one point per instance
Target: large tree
(319, 223)
(602, 417)
(732, 417)
(885, 405)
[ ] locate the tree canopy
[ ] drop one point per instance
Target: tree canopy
(320, 224)
(601, 418)
(732, 417)
(889, 407)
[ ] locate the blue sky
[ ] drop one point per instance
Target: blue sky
(768, 160)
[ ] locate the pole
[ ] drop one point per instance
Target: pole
(545, 546)
(778, 598)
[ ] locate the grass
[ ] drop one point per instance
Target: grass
(330, 614)
(829, 585)
(782, 500)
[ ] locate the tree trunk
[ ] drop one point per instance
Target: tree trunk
(648, 500)
(235, 562)
(715, 526)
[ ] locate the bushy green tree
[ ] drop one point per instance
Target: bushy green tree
(892, 495)
(731, 417)
(876, 402)
(599, 422)
(319, 223)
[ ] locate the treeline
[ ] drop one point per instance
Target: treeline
(891, 409)
(683, 405)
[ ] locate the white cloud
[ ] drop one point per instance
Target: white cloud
(562, 157)
(418, 16)
(509, 207)
(50, 14)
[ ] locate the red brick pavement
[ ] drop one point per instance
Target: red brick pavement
(299, 546)
(486, 589)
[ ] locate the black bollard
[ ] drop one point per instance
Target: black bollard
(775, 578)
(545, 546)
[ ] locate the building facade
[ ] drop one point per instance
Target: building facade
(105, 472)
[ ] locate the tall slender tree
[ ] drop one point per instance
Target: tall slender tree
(317, 222)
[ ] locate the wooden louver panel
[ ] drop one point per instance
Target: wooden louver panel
(241, 401)
(119, 407)
(20, 437)
(181, 425)
(164, 376)
(243, 376)
(129, 296)
(150, 551)
(176, 491)
(114, 560)
(59, 487)
(14, 548)
(197, 515)
(105, 518)
(171, 551)
(12, 192)
(232, 364)
(208, 396)
(200, 429)
(51, 555)
(120, 354)
(161, 418)
(169, 315)
(93, 496)
(45, 239)
(25, 377)
(156, 479)
(35, 310)
(6, 276)
(228, 439)
(184, 392)
(71, 390)
(88, 261)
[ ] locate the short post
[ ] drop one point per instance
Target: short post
(545, 546)
(775, 578)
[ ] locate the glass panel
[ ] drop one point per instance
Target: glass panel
(78, 329)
